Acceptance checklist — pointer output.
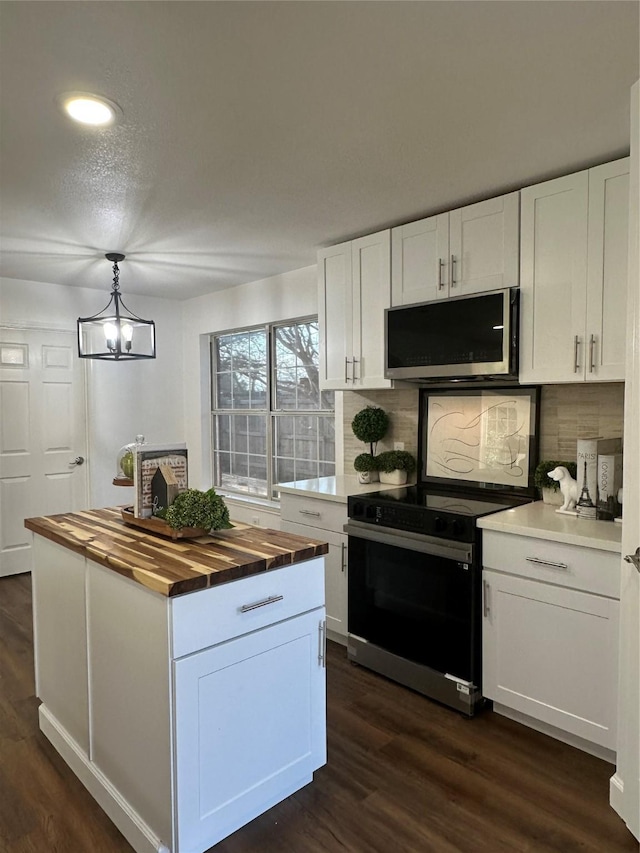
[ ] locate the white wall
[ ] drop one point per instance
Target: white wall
(281, 297)
(124, 398)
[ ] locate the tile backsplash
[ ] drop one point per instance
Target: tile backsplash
(567, 412)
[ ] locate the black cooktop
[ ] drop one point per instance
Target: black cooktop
(438, 500)
(432, 511)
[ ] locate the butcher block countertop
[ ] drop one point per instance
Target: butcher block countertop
(172, 567)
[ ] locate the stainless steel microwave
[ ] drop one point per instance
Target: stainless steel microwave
(463, 338)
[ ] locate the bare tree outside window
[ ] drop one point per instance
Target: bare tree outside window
(289, 431)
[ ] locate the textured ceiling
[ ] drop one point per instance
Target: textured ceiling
(253, 133)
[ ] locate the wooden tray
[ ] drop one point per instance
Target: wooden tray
(157, 525)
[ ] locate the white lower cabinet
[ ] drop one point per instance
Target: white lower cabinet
(550, 646)
(248, 725)
(323, 519)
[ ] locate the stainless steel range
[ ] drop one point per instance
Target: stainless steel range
(415, 562)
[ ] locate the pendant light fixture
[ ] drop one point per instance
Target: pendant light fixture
(116, 334)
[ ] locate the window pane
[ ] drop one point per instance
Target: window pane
(297, 346)
(303, 444)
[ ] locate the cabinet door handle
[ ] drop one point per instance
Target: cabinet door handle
(440, 269)
(347, 362)
(322, 644)
(344, 556)
(353, 371)
(309, 512)
(540, 562)
(592, 344)
(486, 603)
(271, 600)
(576, 344)
(453, 270)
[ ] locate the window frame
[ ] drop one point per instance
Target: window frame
(270, 412)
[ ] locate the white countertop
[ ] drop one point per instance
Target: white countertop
(541, 521)
(336, 488)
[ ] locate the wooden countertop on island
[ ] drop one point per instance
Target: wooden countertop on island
(174, 567)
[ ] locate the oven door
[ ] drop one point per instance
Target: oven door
(416, 599)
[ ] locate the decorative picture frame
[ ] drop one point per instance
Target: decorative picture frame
(485, 438)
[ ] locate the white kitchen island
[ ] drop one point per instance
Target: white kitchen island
(186, 704)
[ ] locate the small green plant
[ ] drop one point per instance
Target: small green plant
(193, 508)
(542, 481)
(365, 462)
(370, 425)
(392, 460)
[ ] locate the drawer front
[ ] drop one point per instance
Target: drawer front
(572, 566)
(314, 512)
(210, 616)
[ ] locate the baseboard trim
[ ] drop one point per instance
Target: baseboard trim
(595, 749)
(139, 835)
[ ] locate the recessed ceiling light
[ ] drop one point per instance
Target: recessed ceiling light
(89, 109)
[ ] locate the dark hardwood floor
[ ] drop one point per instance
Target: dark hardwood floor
(404, 774)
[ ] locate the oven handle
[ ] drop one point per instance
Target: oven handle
(461, 553)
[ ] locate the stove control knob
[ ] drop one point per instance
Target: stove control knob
(458, 527)
(357, 509)
(440, 524)
(370, 512)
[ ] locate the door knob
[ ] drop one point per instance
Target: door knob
(634, 559)
(79, 460)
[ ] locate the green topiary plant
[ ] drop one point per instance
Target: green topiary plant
(396, 460)
(370, 425)
(193, 508)
(540, 474)
(365, 462)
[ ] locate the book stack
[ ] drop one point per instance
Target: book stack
(589, 451)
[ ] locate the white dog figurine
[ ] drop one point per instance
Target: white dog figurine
(568, 487)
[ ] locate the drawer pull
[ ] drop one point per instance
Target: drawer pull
(271, 600)
(540, 562)
(309, 512)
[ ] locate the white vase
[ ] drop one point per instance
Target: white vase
(394, 478)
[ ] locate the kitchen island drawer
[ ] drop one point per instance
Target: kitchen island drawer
(588, 569)
(245, 605)
(314, 512)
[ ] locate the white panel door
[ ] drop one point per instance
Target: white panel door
(552, 653)
(249, 726)
(420, 260)
(607, 276)
(42, 432)
(484, 242)
(625, 785)
(335, 316)
(553, 280)
(371, 270)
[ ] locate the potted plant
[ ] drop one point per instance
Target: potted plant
(550, 489)
(369, 425)
(195, 509)
(394, 466)
(366, 465)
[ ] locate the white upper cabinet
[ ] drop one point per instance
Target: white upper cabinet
(573, 276)
(354, 288)
(470, 250)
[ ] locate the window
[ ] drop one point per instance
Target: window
(271, 423)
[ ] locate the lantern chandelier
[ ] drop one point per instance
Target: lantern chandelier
(116, 334)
